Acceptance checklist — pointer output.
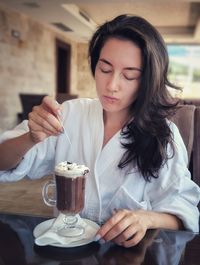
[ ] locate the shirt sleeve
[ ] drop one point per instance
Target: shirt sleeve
(37, 162)
(174, 192)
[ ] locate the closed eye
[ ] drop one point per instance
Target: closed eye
(131, 78)
(105, 71)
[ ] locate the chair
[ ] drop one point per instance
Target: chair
(191, 101)
(28, 101)
(196, 147)
(184, 120)
(61, 97)
(187, 119)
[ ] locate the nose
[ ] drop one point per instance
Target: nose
(113, 84)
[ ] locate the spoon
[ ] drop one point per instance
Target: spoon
(61, 122)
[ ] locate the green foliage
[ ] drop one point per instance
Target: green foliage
(196, 75)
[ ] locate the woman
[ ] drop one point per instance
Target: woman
(138, 175)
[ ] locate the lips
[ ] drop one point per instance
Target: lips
(110, 99)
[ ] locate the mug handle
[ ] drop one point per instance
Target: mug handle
(48, 201)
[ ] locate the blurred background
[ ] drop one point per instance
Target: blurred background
(43, 48)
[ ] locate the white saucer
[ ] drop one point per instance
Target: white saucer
(42, 227)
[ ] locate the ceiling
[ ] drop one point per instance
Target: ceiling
(177, 20)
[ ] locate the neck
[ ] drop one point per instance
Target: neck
(115, 119)
(113, 122)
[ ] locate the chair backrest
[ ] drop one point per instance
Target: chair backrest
(61, 97)
(196, 147)
(187, 119)
(184, 120)
(191, 101)
(28, 101)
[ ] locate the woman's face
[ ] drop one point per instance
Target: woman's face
(117, 75)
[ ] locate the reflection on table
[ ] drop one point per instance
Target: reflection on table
(158, 247)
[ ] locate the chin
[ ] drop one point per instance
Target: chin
(110, 108)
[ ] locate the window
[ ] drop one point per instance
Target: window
(184, 69)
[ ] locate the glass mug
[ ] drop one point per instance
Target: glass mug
(69, 184)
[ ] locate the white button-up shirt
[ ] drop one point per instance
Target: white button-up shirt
(107, 186)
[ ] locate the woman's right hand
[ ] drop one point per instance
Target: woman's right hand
(43, 120)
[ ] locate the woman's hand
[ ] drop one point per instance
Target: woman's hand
(126, 227)
(43, 121)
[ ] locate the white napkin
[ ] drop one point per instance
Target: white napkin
(50, 235)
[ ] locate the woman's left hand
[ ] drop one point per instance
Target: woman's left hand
(126, 228)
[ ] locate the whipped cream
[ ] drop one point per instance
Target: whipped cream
(72, 170)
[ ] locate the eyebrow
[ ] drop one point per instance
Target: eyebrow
(126, 68)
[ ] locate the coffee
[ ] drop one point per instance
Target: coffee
(70, 187)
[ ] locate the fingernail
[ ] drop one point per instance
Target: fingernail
(59, 112)
(97, 237)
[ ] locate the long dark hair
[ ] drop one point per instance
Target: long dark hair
(147, 136)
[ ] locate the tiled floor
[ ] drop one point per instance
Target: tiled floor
(24, 196)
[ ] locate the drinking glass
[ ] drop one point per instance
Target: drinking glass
(70, 197)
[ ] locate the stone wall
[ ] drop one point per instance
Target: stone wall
(27, 64)
(85, 81)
